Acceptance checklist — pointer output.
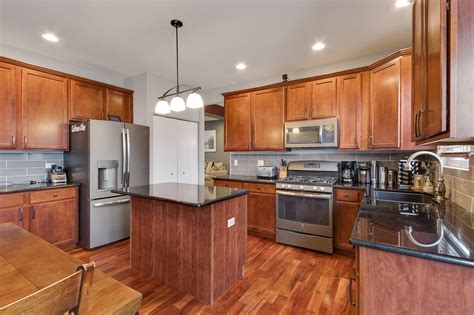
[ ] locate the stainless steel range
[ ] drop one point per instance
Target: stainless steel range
(304, 205)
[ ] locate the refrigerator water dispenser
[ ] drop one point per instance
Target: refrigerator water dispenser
(107, 172)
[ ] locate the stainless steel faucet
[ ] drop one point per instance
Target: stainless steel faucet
(440, 189)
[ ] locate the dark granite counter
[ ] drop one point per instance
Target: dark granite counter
(187, 194)
(29, 187)
(384, 224)
(242, 178)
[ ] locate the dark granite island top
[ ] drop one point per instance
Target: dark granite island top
(382, 225)
(186, 194)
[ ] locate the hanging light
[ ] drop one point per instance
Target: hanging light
(177, 104)
(194, 100)
(162, 107)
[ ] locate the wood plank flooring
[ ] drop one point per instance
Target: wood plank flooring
(278, 279)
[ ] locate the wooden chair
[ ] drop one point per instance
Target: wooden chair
(69, 295)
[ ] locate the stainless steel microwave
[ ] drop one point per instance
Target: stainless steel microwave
(311, 133)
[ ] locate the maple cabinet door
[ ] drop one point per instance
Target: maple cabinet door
(9, 85)
(323, 98)
(350, 111)
(237, 123)
(45, 111)
(298, 101)
(120, 104)
(87, 101)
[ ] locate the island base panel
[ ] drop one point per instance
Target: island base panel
(191, 249)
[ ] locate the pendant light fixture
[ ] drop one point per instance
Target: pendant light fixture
(177, 104)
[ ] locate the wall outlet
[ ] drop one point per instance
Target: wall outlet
(231, 222)
(48, 165)
(260, 163)
(236, 162)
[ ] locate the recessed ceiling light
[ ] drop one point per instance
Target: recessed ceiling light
(403, 3)
(50, 37)
(318, 46)
(240, 66)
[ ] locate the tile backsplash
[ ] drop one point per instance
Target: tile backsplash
(23, 167)
(460, 185)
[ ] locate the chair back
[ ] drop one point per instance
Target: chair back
(68, 295)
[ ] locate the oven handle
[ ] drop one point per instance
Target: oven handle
(306, 195)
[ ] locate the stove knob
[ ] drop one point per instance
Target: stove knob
(315, 188)
(288, 186)
(301, 186)
(321, 188)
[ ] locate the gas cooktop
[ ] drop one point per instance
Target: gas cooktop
(308, 180)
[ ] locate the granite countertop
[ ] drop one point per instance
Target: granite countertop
(186, 194)
(243, 178)
(382, 225)
(29, 187)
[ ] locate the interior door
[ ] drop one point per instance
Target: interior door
(139, 154)
(268, 117)
(385, 106)
(165, 150)
(349, 109)
(9, 86)
(44, 107)
(188, 148)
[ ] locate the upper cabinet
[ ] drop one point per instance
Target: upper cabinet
(9, 96)
(255, 121)
(349, 101)
(298, 101)
(268, 119)
(36, 105)
(323, 98)
(385, 106)
(237, 123)
(443, 43)
(119, 104)
(44, 111)
(87, 101)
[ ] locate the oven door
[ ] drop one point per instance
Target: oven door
(305, 212)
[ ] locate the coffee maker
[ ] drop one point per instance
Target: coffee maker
(348, 172)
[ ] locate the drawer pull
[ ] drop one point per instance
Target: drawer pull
(346, 195)
(20, 214)
(33, 212)
(351, 300)
(55, 195)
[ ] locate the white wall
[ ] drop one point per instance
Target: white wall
(213, 96)
(82, 70)
(148, 87)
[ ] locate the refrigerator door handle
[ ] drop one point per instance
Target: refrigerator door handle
(128, 157)
(124, 159)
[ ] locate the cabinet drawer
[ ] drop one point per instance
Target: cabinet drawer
(12, 200)
(351, 195)
(260, 188)
(52, 194)
(228, 184)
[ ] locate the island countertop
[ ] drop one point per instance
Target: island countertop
(186, 194)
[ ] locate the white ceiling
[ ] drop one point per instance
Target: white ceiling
(271, 37)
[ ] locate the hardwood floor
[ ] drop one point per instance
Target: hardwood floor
(278, 279)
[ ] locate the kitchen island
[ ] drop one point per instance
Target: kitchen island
(191, 237)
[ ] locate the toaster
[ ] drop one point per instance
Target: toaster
(267, 172)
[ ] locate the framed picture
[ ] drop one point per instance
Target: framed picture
(209, 141)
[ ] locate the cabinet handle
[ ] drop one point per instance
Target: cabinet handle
(305, 113)
(13, 141)
(416, 125)
(25, 141)
(351, 300)
(33, 213)
(20, 214)
(55, 195)
(370, 141)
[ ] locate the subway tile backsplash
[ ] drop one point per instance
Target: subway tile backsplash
(23, 167)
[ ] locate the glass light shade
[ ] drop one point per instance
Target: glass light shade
(194, 100)
(177, 104)
(162, 107)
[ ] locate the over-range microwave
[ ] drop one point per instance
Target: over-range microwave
(311, 133)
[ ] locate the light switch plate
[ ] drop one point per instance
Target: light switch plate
(236, 162)
(231, 222)
(261, 163)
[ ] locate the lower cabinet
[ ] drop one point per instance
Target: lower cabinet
(261, 206)
(346, 209)
(51, 214)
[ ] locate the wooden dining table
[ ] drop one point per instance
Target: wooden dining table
(28, 264)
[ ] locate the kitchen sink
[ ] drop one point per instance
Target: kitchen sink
(399, 196)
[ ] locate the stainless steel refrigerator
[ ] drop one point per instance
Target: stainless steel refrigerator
(105, 155)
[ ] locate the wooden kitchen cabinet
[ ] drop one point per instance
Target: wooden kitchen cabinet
(119, 103)
(346, 209)
(9, 102)
(268, 120)
(323, 98)
(349, 101)
(49, 213)
(384, 131)
(298, 101)
(44, 110)
(87, 101)
(237, 130)
(227, 183)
